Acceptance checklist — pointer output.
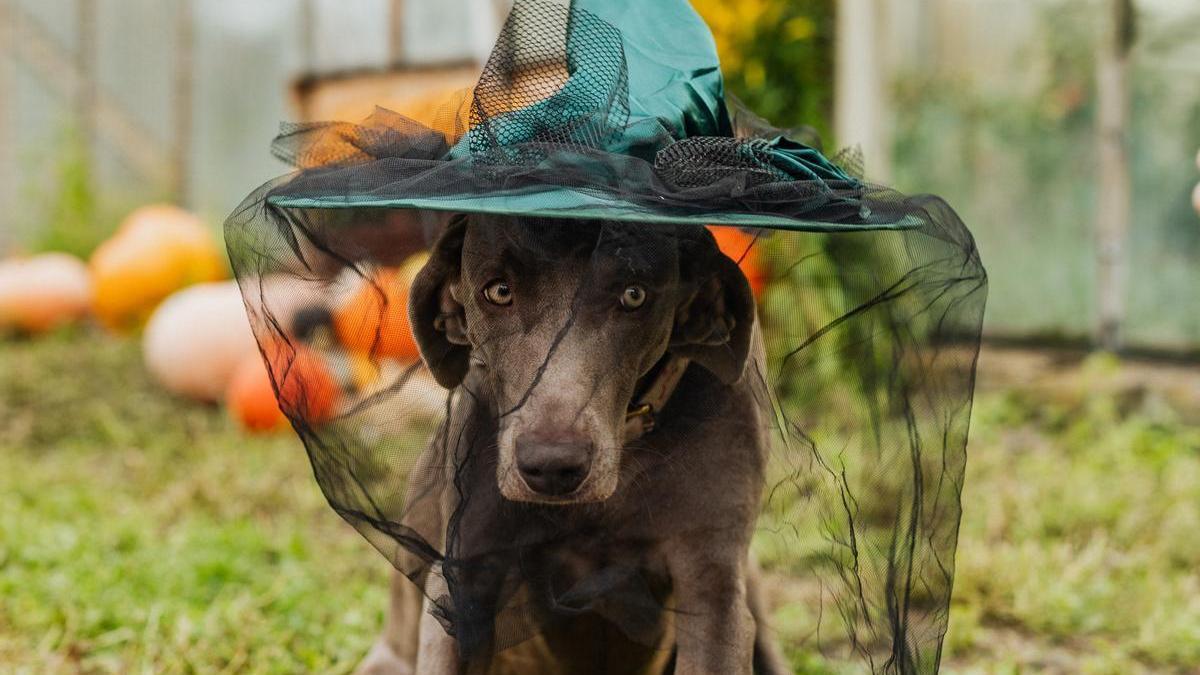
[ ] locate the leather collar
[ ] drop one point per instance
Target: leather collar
(642, 415)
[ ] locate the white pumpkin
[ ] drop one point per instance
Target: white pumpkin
(43, 292)
(195, 340)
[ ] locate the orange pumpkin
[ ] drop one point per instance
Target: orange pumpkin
(156, 251)
(251, 399)
(41, 293)
(374, 321)
(745, 249)
(307, 388)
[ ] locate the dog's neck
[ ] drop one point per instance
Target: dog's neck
(654, 390)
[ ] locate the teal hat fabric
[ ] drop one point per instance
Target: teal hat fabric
(632, 126)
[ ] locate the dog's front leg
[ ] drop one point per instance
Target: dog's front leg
(714, 627)
(438, 652)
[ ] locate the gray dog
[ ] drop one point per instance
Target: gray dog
(608, 378)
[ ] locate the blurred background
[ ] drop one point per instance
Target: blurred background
(143, 526)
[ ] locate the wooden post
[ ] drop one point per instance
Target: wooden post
(183, 100)
(86, 110)
(1115, 190)
(308, 36)
(860, 98)
(396, 32)
(8, 157)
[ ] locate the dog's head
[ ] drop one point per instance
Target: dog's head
(565, 317)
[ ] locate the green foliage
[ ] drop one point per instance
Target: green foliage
(778, 56)
(67, 211)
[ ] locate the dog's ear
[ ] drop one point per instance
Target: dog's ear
(438, 321)
(714, 326)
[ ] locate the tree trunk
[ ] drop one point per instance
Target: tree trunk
(1115, 191)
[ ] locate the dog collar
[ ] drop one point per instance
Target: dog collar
(642, 415)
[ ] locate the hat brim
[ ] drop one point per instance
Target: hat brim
(567, 204)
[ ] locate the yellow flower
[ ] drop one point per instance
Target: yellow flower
(800, 28)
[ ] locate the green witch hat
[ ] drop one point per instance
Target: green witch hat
(608, 109)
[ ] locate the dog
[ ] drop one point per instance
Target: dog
(609, 401)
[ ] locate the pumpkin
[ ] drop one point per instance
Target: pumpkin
(362, 373)
(745, 249)
(250, 397)
(43, 292)
(374, 320)
(195, 340)
(156, 251)
(412, 267)
(1196, 198)
(307, 387)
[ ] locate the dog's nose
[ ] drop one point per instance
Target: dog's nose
(553, 469)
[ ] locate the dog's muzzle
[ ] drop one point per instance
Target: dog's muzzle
(553, 469)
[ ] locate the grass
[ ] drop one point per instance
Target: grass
(1078, 552)
(144, 534)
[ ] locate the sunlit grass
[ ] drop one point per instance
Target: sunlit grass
(143, 534)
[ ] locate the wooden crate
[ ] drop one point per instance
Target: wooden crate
(353, 96)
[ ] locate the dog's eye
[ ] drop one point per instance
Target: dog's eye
(633, 297)
(499, 293)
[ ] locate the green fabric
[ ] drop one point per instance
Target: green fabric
(800, 162)
(568, 204)
(674, 72)
(675, 83)
(675, 86)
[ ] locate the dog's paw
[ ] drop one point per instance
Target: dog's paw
(381, 660)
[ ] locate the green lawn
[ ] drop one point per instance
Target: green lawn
(142, 534)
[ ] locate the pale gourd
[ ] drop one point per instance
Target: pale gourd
(43, 292)
(195, 340)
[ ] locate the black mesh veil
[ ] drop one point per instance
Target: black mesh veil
(579, 372)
